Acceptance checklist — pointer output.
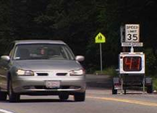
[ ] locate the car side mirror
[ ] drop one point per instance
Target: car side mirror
(79, 58)
(5, 57)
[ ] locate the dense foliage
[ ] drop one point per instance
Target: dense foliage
(77, 22)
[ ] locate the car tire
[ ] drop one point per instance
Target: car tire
(63, 97)
(3, 96)
(79, 97)
(13, 97)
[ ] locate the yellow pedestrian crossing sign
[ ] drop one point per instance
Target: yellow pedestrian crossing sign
(100, 38)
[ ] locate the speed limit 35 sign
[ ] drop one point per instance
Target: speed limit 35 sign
(132, 33)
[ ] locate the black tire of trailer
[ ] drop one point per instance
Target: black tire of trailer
(125, 91)
(114, 91)
(150, 89)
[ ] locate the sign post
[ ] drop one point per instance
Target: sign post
(100, 57)
(100, 38)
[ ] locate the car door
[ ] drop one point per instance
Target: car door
(3, 73)
(5, 66)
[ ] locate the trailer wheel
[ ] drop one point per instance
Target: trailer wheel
(150, 89)
(114, 91)
(125, 91)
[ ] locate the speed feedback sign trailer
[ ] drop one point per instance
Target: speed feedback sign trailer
(131, 64)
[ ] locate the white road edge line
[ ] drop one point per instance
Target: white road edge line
(5, 111)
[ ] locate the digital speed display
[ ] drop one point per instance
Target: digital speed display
(132, 63)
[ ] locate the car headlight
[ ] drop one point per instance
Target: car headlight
(21, 72)
(77, 72)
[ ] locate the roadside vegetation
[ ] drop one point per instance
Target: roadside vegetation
(110, 71)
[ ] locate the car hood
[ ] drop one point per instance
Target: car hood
(47, 65)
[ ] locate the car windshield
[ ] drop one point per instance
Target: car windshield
(43, 51)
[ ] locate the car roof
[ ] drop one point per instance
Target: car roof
(39, 42)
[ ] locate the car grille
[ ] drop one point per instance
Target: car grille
(46, 74)
(61, 74)
(42, 74)
(44, 87)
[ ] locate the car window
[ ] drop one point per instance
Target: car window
(43, 51)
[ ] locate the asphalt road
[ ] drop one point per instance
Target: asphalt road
(98, 100)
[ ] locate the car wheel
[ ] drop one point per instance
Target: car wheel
(3, 96)
(80, 96)
(63, 97)
(13, 97)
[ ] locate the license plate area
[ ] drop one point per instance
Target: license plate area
(52, 84)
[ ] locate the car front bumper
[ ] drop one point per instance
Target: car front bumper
(37, 85)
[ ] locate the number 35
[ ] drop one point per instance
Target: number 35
(132, 37)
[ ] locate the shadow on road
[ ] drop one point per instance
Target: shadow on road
(42, 100)
(39, 101)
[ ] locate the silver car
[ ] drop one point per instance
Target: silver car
(41, 67)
